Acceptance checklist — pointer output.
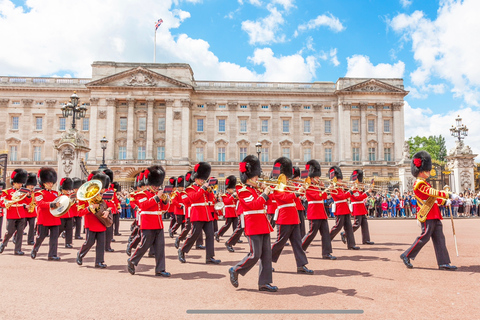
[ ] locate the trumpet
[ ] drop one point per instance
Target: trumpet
(281, 184)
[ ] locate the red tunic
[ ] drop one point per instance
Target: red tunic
(91, 221)
(151, 210)
(423, 191)
(200, 208)
(229, 211)
(251, 204)
(316, 203)
(271, 206)
(44, 198)
(341, 204)
(298, 202)
(358, 203)
(16, 210)
(286, 207)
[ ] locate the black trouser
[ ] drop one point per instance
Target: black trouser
(1, 224)
(270, 217)
(229, 222)
(93, 236)
(237, 233)
(15, 225)
(78, 227)
(215, 225)
(259, 249)
(31, 229)
(186, 230)
(284, 233)
(361, 221)
(431, 229)
(154, 239)
(108, 237)
(52, 241)
(301, 216)
(343, 221)
(133, 234)
(173, 220)
(178, 222)
(322, 226)
(67, 226)
(116, 224)
(197, 227)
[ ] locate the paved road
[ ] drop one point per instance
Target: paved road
(372, 279)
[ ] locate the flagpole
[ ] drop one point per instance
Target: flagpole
(155, 46)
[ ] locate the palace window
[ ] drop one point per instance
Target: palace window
(13, 153)
(371, 125)
(200, 106)
(62, 124)
(86, 124)
(221, 154)
(328, 126)
(221, 125)
(307, 154)
(371, 154)
(286, 126)
(264, 107)
(142, 124)
(356, 154)
(141, 153)
(38, 123)
(160, 153)
(122, 153)
(355, 126)
(306, 107)
(37, 153)
(387, 154)
(161, 124)
(386, 125)
(306, 126)
(328, 154)
(264, 126)
(264, 155)
(221, 106)
(243, 106)
(15, 123)
(199, 125)
(123, 124)
(327, 108)
(243, 153)
(243, 126)
(286, 152)
(199, 154)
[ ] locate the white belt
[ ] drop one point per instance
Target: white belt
(16, 205)
(199, 205)
(358, 202)
(155, 213)
(246, 213)
(340, 201)
(316, 201)
(230, 206)
(281, 207)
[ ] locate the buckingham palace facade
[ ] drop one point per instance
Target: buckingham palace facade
(158, 113)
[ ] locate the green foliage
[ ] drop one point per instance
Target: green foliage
(435, 145)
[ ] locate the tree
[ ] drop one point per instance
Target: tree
(435, 145)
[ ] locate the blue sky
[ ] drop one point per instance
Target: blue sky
(432, 45)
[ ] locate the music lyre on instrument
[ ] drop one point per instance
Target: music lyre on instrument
(17, 196)
(90, 191)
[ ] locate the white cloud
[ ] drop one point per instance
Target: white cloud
(445, 47)
(322, 20)
(423, 122)
(406, 3)
(264, 31)
(333, 57)
(287, 4)
(422, 92)
(360, 66)
(292, 68)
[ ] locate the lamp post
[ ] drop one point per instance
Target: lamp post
(103, 143)
(459, 131)
(258, 146)
(72, 108)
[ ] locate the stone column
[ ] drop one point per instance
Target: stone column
(130, 127)
(297, 132)
(150, 128)
(186, 124)
(317, 127)
(169, 138)
(276, 132)
(345, 132)
(94, 139)
(111, 129)
(254, 129)
(28, 121)
(211, 129)
(363, 132)
(380, 155)
(461, 162)
(5, 123)
(398, 129)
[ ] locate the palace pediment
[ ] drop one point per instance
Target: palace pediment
(373, 86)
(139, 77)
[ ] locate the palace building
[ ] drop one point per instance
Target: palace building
(159, 113)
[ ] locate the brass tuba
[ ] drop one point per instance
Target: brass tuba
(90, 192)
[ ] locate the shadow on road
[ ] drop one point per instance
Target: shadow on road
(198, 275)
(335, 273)
(310, 291)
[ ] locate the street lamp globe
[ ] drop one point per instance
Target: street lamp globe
(104, 143)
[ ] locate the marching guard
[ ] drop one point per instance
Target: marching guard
(31, 214)
(298, 202)
(47, 224)
(200, 214)
(288, 222)
(229, 200)
(428, 200)
(79, 206)
(251, 207)
(342, 212)
(178, 201)
(2, 206)
(316, 211)
(16, 203)
(153, 204)
(66, 188)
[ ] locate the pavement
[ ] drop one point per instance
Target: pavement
(371, 283)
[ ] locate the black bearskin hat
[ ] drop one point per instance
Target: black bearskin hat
(47, 174)
(117, 187)
(31, 179)
(154, 176)
(109, 173)
(189, 178)
(141, 179)
(104, 179)
(181, 183)
(296, 172)
(249, 168)
(421, 161)
(337, 172)
(230, 182)
(172, 181)
(77, 183)
(286, 166)
(90, 176)
(313, 168)
(202, 170)
(359, 174)
(66, 184)
(19, 176)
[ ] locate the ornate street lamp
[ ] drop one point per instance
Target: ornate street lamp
(72, 108)
(103, 143)
(460, 130)
(258, 146)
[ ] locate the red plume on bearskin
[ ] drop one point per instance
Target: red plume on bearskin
(66, 184)
(314, 169)
(286, 166)
(230, 182)
(202, 170)
(156, 175)
(421, 161)
(19, 176)
(252, 168)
